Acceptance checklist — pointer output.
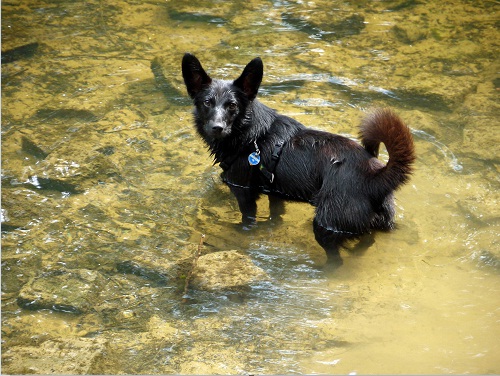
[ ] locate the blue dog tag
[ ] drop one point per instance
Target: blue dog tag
(254, 158)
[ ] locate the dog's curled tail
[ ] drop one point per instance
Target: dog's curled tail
(384, 126)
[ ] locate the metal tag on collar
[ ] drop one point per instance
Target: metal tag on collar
(254, 158)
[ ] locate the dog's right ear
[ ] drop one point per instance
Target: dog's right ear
(194, 75)
(250, 79)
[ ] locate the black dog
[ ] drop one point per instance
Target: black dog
(261, 151)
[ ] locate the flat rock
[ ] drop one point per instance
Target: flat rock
(72, 291)
(226, 271)
(68, 356)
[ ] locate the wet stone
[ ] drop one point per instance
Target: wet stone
(480, 130)
(65, 356)
(431, 90)
(486, 258)
(125, 301)
(151, 273)
(64, 291)
(161, 329)
(155, 268)
(330, 30)
(80, 170)
(226, 271)
(23, 206)
(19, 53)
(409, 34)
(32, 148)
(65, 114)
(14, 270)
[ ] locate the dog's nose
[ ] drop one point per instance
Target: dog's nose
(217, 129)
(216, 126)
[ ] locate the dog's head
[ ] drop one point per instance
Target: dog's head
(220, 106)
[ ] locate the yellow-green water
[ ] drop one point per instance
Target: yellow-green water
(101, 164)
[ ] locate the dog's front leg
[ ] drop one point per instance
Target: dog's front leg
(247, 202)
(276, 208)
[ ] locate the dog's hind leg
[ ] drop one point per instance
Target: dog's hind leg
(339, 216)
(384, 215)
(330, 240)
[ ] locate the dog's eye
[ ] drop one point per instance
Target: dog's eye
(232, 106)
(207, 103)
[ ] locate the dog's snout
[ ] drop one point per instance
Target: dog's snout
(217, 128)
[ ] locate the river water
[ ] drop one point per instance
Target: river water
(101, 165)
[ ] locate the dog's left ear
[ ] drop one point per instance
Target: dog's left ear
(250, 79)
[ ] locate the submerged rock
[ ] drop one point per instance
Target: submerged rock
(15, 270)
(434, 90)
(226, 270)
(76, 173)
(32, 148)
(64, 291)
(68, 356)
(65, 114)
(19, 53)
(218, 271)
(155, 268)
(479, 114)
(155, 274)
(331, 30)
(409, 34)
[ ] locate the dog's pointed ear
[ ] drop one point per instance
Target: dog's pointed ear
(194, 75)
(250, 79)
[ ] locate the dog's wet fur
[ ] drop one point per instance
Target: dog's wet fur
(350, 188)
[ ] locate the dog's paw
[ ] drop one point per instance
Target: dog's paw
(275, 220)
(247, 227)
(334, 261)
(248, 223)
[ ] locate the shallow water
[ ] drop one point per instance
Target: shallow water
(101, 165)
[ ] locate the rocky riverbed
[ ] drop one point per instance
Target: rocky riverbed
(106, 191)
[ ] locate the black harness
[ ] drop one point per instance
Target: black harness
(266, 171)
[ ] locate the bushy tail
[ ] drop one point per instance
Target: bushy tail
(384, 126)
